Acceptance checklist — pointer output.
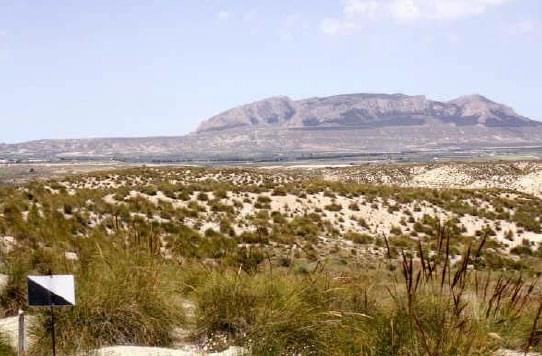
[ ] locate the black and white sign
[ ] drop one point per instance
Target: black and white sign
(51, 290)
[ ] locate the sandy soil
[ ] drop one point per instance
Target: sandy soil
(9, 327)
(522, 176)
(154, 351)
(515, 353)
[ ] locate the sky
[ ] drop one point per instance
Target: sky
(101, 68)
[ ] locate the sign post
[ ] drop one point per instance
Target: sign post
(21, 347)
(53, 329)
(50, 291)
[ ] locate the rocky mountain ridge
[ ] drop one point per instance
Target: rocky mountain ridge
(366, 110)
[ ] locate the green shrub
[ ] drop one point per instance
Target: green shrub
(202, 196)
(304, 227)
(249, 237)
(353, 206)
(333, 207)
(279, 191)
(361, 239)
(263, 199)
(521, 250)
(396, 230)
(149, 190)
(528, 220)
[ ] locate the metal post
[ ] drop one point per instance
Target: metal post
(21, 341)
(52, 317)
(53, 328)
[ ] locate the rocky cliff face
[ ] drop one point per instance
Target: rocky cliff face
(367, 110)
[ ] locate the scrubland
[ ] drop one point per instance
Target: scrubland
(277, 262)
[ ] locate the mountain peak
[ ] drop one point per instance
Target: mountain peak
(489, 113)
(472, 97)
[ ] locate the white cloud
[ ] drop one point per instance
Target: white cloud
(357, 12)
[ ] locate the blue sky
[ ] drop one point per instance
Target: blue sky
(78, 68)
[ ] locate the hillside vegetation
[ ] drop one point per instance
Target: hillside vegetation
(278, 262)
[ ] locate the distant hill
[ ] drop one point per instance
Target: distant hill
(282, 128)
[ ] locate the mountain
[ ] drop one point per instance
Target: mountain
(366, 110)
(342, 125)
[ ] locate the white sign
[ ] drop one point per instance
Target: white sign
(51, 290)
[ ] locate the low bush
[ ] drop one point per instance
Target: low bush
(361, 239)
(333, 207)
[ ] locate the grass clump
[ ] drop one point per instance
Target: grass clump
(270, 315)
(225, 305)
(122, 298)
